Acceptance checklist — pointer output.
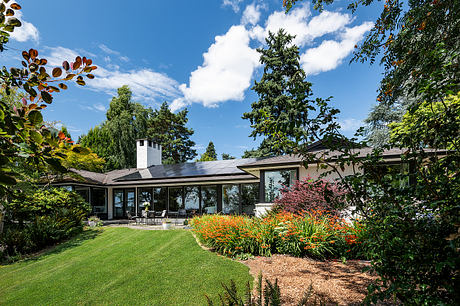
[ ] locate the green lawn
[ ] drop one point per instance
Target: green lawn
(120, 266)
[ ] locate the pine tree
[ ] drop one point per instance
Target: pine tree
(170, 131)
(283, 105)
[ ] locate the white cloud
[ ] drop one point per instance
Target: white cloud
(296, 23)
(109, 51)
(145, 83)
(25, 32)
(226, 71)
(329, 54)
(234, 4)
(99, 107)
(350, 124)
(251, 14)
(59, 54)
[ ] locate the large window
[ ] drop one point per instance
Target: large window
(230, 199)
(192, 199)
(249, 198)
(175, 199)
(160, 201)
(209, 199)
(84, 192)
(274, 181)
(145, 196)
(98, 201)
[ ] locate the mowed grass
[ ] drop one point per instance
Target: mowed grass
(121, 266)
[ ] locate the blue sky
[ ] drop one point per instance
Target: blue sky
(195, 54)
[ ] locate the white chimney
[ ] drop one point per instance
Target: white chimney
(148, 153)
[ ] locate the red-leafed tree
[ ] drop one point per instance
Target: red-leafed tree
(308, 194)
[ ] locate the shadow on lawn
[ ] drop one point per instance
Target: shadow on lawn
(87, 234)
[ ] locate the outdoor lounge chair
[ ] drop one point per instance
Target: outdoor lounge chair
(162, 215)
(131, 217)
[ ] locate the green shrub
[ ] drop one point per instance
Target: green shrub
(35, 221)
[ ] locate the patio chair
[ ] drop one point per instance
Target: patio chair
(182, 213)
(131, 217)
(162, 215)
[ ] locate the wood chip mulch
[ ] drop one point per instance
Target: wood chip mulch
(333, 282)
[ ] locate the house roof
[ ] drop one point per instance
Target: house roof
(188, 170)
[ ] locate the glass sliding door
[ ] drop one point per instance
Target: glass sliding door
(209, 199)
(123, 201)
(192, 199)
(145, 195)
(249, 198)
(230, 199)
(160, 198)
(176, 200)
(130, 202)
(118, 203)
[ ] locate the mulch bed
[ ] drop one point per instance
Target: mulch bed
(333, 282)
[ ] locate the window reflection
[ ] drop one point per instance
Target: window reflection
(230, 199)
(192, 199)
(277, 180)
(145, 196)
(175, 199)
(160, 198)
(249, 197)
(209, 199)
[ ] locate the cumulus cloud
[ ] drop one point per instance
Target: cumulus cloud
(251, 14)
(234, 4)
(297, 23)
(329, 54)
(25, 32)
(145, 83)
(230, 62)
(226, 71)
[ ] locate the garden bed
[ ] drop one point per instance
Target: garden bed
(333, 282)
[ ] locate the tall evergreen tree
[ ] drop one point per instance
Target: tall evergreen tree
(282, 109)
(210, 153)
(169, 130)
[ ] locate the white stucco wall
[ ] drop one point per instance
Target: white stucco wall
(314, 172)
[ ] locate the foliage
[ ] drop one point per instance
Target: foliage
(88, 162)
(423, 125)
(226, 156)
(115, 139)
(381, 115)
(267, 148)
(195, 271)
(170, 131)
(210, 153)
(314, 234)
(23, 137)
(95, 220)
(270, 295)
(34, 221)
(418, 42)
(308, 194)
(284, 96)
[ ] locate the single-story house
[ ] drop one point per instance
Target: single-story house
(237, 186)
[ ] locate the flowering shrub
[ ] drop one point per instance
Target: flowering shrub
(308, 194)
(314, 234)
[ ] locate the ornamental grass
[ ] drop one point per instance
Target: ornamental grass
(314, 234)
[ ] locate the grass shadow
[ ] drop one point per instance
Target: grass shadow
(78, 239)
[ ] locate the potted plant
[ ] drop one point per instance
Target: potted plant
(146, 209)
(94, 221)
(166, 224)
